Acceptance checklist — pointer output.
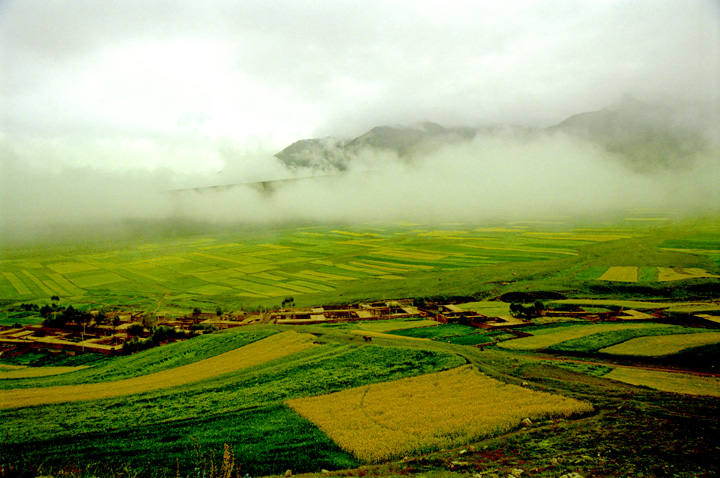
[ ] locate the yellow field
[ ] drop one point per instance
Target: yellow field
(70, 267)
(552, 337)
(393, 264)
(374, 266)
(669, 274)
(412, 254)
(355, 234)
(621, 274)
(578, 236)
(521, 249)
(16, 283)
(384, 420)
(658, 346)
(668, 381)
(264, 350)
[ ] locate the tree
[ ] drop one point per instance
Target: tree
(518, 310)
(539, 307)
(101, 317)
(288, 302)
(148, 320)
(135, 329)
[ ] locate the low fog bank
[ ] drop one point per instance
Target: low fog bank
(490, 178)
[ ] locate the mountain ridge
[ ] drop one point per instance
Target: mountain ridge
(646, 138)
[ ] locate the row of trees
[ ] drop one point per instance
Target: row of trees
(519, 310)
(55, 315)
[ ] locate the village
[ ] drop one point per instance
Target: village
(127, 332)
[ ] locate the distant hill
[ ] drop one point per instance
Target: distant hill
(317, 154)
(332, 155)
(645, 137)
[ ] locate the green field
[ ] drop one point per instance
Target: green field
(249, 269)
(238, 408)
(642, 339)
(153, 433)
(451, 333)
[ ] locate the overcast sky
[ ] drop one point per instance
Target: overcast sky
(191, 86)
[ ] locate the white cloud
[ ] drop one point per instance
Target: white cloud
(120, 78)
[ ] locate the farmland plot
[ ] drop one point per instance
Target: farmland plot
(620, 274)
(267, 349)
(252, 269)
(671, 274)
(444, 409)
(34, 372)
(668, 381)
(553, 336)
(662, 345)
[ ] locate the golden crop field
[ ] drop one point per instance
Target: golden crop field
(579, 235)
(385, 420)
(270, 348)
(658, 346)
(549, 337)
(621, 274)
(668, 381)
(671, 274)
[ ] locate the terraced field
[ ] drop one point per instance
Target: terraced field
(255, 268)
(308, 398)
(639, 339)
(221, 388)
(668, 381)
(658, 346)
(645, 274)
(265, 350)
(302, 398)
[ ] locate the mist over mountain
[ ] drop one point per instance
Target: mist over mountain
(625, 157)
(333, 154)
(644, 137)
(647, 137)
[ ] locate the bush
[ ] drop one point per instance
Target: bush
(136, 329)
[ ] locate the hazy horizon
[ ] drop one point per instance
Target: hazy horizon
(106, 106)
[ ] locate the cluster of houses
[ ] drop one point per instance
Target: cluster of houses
(393, 309)
(121, 327)
(107, 338)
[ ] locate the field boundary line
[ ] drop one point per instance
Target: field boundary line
(37, 282)
(256, 353)
(15, 281)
